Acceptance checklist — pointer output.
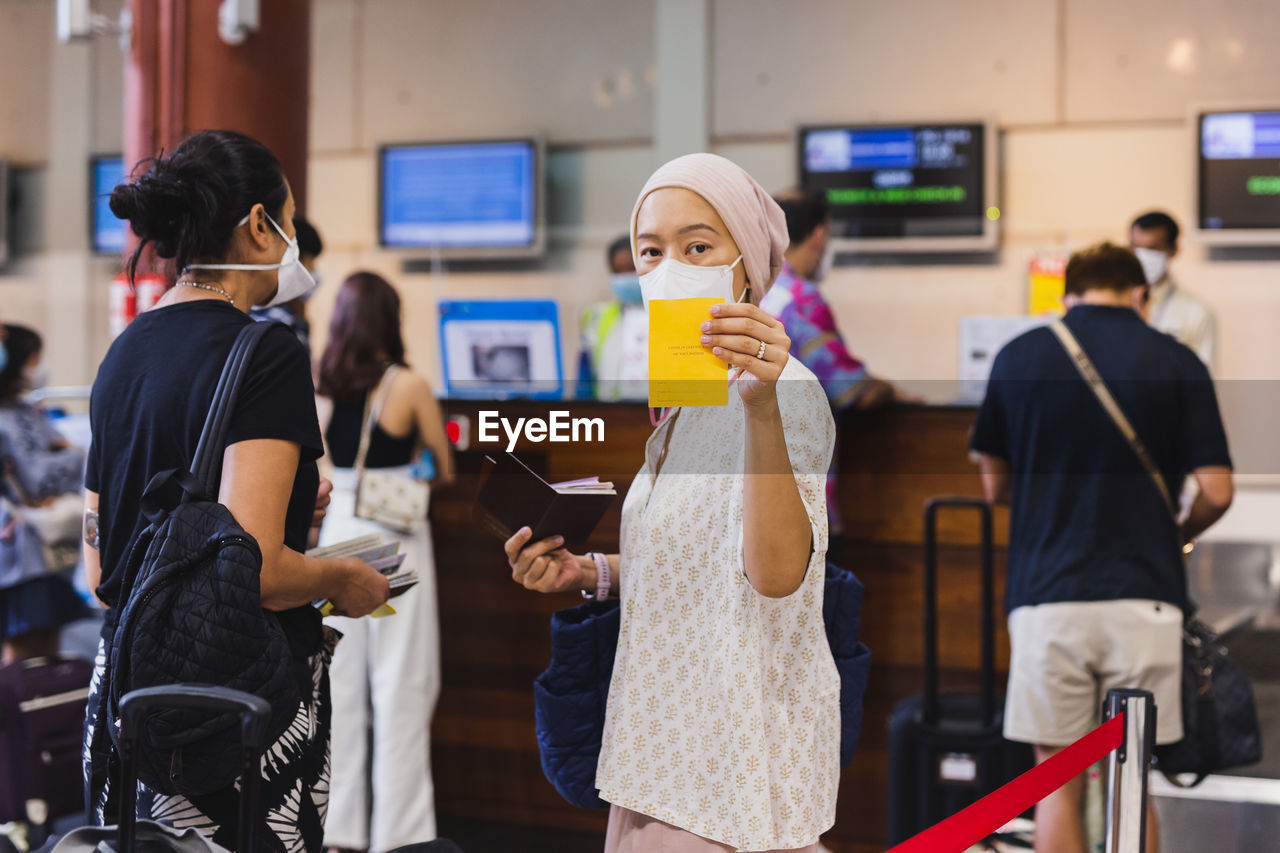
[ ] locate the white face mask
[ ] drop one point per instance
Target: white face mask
(1155, 264)
(672, 279)
(36, 377)
(292, 282)
(824, 266)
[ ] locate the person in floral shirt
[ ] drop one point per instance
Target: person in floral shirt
(796, 300)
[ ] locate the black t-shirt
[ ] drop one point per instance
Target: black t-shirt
(149, 404)
(385, 450)
(1087, 523)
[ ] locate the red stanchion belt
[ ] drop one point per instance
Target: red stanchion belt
(968, 827)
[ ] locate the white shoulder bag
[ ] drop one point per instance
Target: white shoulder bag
(392, 499)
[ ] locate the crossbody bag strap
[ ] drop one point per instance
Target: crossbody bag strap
(372, 411)
(1092, 378)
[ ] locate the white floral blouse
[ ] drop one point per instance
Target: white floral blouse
(724, 709)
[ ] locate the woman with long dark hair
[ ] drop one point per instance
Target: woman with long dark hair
(219, 205)
(37, 468)
(390, 667)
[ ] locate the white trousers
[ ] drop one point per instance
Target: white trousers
(385, 675)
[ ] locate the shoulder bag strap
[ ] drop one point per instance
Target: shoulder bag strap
(1091, 377)
(372, 411)
(207, 464)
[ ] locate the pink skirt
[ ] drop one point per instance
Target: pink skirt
(632, 832)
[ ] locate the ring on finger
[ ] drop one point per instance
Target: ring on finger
(760, 353)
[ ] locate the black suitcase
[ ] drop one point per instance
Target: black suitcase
(948, 751)
(42, 707)
(135, 835)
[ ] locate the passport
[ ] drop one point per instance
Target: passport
(513, 496)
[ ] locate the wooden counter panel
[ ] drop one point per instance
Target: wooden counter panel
(503, 786)
(891, 462)
(893, 609)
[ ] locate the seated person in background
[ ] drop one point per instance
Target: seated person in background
(1096, 582)
(294, 313)
(796, 300)
(1154, 239)
(37, 467)
(614, 359)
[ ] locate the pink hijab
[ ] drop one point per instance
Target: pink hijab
(754, 220)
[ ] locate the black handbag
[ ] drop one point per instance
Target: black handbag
(191, 613)
(1219, 718)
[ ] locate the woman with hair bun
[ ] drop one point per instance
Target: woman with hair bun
(220, 207)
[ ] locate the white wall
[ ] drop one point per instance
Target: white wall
(1092, 95)
(1093, 98)
(58, 105)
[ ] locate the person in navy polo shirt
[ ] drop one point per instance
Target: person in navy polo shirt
(1096, 581)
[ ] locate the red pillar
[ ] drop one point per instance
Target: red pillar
(181, 77)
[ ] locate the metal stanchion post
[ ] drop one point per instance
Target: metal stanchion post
(1127, 767)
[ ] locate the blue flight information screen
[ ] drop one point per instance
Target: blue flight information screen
(108, 232)
(1240, 170)
(464, 195)
(912, 181)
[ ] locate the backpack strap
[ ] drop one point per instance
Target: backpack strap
(207, 463)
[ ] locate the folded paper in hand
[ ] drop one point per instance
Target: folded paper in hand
(380, 553)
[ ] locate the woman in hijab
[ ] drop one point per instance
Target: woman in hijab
(722, 729)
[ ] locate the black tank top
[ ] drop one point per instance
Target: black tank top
(343, 436)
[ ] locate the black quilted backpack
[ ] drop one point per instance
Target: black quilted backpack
(191, 613)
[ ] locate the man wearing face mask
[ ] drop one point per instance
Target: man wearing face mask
(294, 313)
(1154, 239)
(1091, 468)
(613, 364)
(796, 300)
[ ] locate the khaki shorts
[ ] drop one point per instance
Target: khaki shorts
(1067, 655)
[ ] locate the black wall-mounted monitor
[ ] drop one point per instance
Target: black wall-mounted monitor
(106, 231)
(1238, 180)
(463, 199)
(905, 187)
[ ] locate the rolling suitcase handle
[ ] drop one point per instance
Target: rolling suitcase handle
(254, 712)
(929, 713)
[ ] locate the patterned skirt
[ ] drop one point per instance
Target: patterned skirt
(295, 776)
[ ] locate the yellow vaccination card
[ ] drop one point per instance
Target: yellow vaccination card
(383, 610)
(682, 372)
